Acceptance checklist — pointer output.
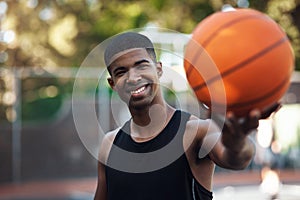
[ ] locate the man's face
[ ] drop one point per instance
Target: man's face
(135, 77)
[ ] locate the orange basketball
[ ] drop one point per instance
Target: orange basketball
(239, 60)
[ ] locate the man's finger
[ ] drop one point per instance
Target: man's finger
(267, 112)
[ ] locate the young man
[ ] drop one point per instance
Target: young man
(162, 153)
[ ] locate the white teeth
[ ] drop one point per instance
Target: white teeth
(138, 90)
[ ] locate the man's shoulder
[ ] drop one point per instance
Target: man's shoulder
(194, 120)
(111, 134)
(198, 126)
(106, 144)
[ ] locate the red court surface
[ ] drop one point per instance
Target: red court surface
(54, 189)
(83, 189)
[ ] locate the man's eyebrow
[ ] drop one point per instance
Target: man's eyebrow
(136, 63)
(141, 61)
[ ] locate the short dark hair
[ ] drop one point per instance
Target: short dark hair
(125, 41)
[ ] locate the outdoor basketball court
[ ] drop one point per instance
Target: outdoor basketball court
(227, 186)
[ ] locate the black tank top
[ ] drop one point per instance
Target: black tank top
(140, 176)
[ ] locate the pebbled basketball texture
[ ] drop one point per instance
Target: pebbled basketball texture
(239, 60)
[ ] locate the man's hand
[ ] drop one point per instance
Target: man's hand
(236, 129)
(235, 149)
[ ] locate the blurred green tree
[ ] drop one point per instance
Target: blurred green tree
(62, 33)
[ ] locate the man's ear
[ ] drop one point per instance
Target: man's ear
(111, 82)
(159, 69)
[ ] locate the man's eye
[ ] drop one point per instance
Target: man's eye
(142, 66)
(119, 73)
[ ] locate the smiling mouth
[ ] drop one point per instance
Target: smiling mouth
(138, 91)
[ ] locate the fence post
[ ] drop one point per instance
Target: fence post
(16, 127)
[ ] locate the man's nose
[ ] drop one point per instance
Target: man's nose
(133, 76)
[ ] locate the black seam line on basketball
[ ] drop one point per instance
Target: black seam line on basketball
(261, 98)
(190, 68)
(241, 64)
(228, 24)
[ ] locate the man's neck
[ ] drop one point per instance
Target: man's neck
(147, 123)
